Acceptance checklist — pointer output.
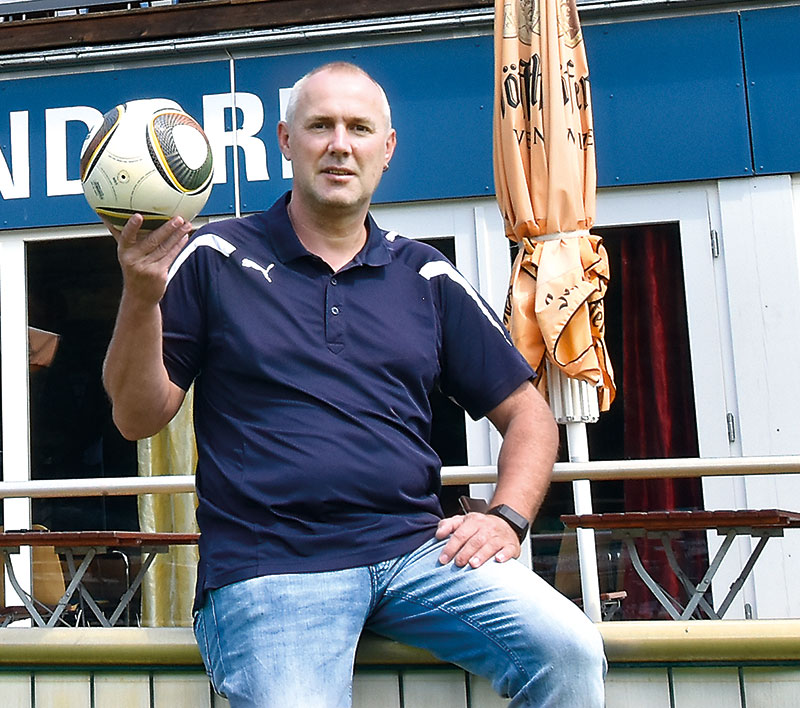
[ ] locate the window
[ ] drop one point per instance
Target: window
(652, 416)
(73, 288)
(448, 433)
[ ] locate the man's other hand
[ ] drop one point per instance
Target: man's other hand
(476, 538)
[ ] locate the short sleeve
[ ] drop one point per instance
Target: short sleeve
(183, 319)
(480, 366)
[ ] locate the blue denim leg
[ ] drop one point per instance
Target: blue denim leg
(288, 641)
(500, 621)
(285, 641)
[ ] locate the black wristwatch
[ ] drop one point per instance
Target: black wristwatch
(516, 521)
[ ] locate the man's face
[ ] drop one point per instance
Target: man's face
(339, 141)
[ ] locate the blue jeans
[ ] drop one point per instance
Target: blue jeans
(289, 641)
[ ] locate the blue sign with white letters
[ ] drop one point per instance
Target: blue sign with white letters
(440, 95)
(441, 110)
(45, 120)
(669, 104)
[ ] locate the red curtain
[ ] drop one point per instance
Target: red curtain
(659, 414)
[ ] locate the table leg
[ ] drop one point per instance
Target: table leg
(26, 600)
(666, 601)
(77, 581)
(666, 542)
(705, 583)
(74, 583)
(737, 584)
(131, 591)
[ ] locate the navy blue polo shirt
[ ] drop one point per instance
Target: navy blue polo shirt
(311, 401)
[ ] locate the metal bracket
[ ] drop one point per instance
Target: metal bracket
(714, 243)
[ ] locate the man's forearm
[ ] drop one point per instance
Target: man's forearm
(144, 400)
(524, 468)
(527, 455)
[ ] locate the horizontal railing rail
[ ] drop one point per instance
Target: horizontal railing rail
(630, 642)
(467, 474)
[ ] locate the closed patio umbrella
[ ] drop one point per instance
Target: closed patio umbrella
(545, 179)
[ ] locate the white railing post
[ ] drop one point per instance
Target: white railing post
(16, 418)
(587, 550)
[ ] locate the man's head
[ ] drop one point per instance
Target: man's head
(337, 66)
(338, 135)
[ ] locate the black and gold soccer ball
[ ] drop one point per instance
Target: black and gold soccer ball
(150, 157)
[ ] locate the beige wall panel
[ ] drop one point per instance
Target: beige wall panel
(63, 690)
(120, 690)
(772, 688)
(636, 688)
(16, 690)
(701, 688)
(482, 694)
(218, 701)
(373, 689)
(181, 690)
(434, 689)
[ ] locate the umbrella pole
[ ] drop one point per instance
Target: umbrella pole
(582, 494)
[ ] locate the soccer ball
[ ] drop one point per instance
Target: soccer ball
(149, 157)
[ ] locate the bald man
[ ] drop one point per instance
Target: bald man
(314, 339)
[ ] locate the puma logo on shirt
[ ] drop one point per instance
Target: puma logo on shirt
(247, 263)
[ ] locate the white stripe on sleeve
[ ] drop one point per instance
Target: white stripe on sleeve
(210, 240)
(434, 269)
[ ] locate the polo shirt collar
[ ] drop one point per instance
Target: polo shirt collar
(288, 247)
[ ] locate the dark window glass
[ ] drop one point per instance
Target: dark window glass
(448, 433)
(73, 291)
(646, 295)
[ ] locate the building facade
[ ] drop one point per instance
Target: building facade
(693, 106)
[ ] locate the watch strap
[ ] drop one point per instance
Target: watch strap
(514, 519)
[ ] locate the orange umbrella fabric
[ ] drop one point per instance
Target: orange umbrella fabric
(546, 178)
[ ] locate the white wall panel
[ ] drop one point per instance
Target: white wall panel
(372, 689)
(760, 256)
(482, 695)
(121, 690)
(14, 389)
(701, 688)
(429, 689)
(771, 688)
(218, 701)
(15, 690)
(63, 690)
(181, 690)
(637, 688)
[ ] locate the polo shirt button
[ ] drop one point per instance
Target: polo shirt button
(335, 310)
(334, 281)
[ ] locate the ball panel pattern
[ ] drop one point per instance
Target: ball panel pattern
(94, 148)
(118, 217)
(167, 158)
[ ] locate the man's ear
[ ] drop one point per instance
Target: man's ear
(283, 139)
(391, 144)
